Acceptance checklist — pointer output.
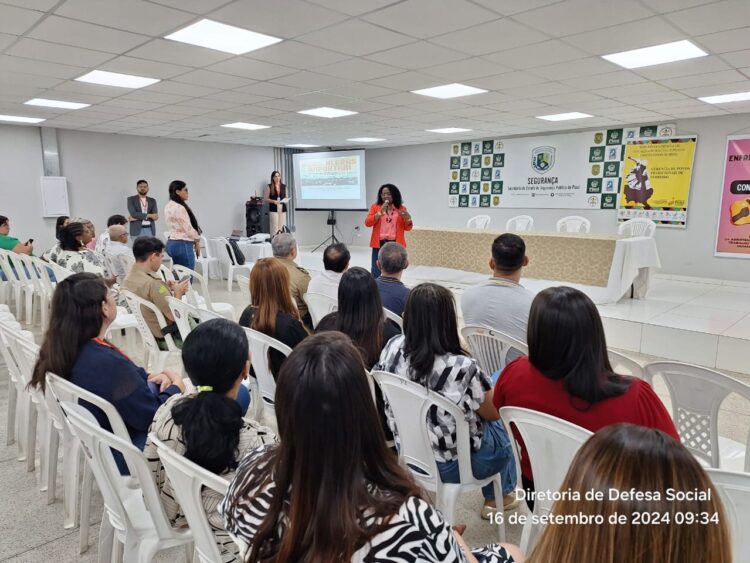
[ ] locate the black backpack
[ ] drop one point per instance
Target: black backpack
(237, 252)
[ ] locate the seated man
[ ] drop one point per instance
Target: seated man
(392, 261)
(116, 247)
(145, 282)
(103, 240)
(285, 249)
(335, 261)
(501, 302)
(11, 243)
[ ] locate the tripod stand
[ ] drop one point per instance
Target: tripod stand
(332, 239)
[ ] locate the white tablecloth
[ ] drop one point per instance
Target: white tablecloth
(254, 252)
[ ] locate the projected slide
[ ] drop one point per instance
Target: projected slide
(330, 180)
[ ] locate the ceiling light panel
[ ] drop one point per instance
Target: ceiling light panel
(656, 55)
(222, 37)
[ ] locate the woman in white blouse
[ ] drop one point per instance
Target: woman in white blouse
(184, 233)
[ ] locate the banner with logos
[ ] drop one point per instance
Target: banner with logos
(656, 179)
(579, 170)
(733, 232)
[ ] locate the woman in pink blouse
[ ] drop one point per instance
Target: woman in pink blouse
(183, 243)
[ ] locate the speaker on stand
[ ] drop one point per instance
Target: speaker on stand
(256, 217)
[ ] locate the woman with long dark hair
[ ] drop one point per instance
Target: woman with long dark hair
(430, 353)
(207, 426)
(626, 458)
(332, 490)
(360, 315)
(568, 375)
(388, 218)
(184, 233)
(277, 198)
(272, 310)
(74, 347)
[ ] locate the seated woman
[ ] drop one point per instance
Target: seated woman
(568, 375)
(50, 255)
(207, 426)
(74, 349)
(73, 254)
(633, 458)
(272, 310)
(360, 315)
(430, 353)
(331, 490)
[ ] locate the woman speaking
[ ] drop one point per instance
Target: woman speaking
(276, 197)
(389, 219)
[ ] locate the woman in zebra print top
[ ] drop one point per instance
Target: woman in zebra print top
(332, 490)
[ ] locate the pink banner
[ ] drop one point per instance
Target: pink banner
(733, 237)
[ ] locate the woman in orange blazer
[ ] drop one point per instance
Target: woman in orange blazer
(389, 219)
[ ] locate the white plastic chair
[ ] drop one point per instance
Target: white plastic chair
(390, 315)
(183, 311)
(551, 444)
(244, 284)
(14, 283)
(520, 223)
(492, 349)
(319, 306)
(624, 365)
(226, 310)
(259, 345)
(231, 261)
(638, 227)
(696, 394)
(14, 383)
(188, 480)
(410, 404)
(155, 357)
(573, 224)
(33, 288)
(165, 273)
(479, 222)
(206, 260)
(734, 490)
(134, 518)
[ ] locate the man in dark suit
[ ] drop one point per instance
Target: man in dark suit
(142, 212)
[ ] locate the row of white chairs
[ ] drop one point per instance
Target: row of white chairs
(638, 227)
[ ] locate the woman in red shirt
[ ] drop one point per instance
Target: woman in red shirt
(568, 375)
(389, 219)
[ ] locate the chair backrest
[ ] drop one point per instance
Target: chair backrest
(166, 274)
(573, 224)
(259, 345)
(390, 315)
(244, 283)
(183, 311)
(480, 222)
(7, 327)
(224, 243)
(520, 223)
(206, 250)
(551, 444)
(11, 274)
(696, 394)
(183, 271)
(120, 502)
(624, 365)
(734, 490)
(319, 306)
(638, 227)
(31, 273)
(59, 272)
(492, 349)
(188, 480)
(410, 403)
(136, 305)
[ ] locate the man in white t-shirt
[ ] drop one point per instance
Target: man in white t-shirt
(335, 261)
(501, 302)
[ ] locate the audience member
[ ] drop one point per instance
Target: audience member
(91, 232)
(392, 261)
(360, 315)
(184, 233)
(103, 239)
(144, 281)
(74, 256)
(272, 310)
(636, 460)
(61, 222)
(116, 248)
(50, 255)
(207, 426)
(11, 243)
(335, 261)
(142, 212)
(430, 353)
(332, 490)
(501, 302)
(74, 348)
(568, 375)
(285, 249)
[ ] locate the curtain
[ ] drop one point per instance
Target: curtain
(283, 162)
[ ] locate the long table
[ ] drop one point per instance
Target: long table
(608, 264)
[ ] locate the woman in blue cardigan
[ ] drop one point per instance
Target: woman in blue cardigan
(75, 349)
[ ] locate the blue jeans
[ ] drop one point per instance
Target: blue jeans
(182, 253)
(147, 231)
(495, 455)
(374, 267)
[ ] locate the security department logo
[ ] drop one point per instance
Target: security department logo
(598, 138)
(543, 159)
